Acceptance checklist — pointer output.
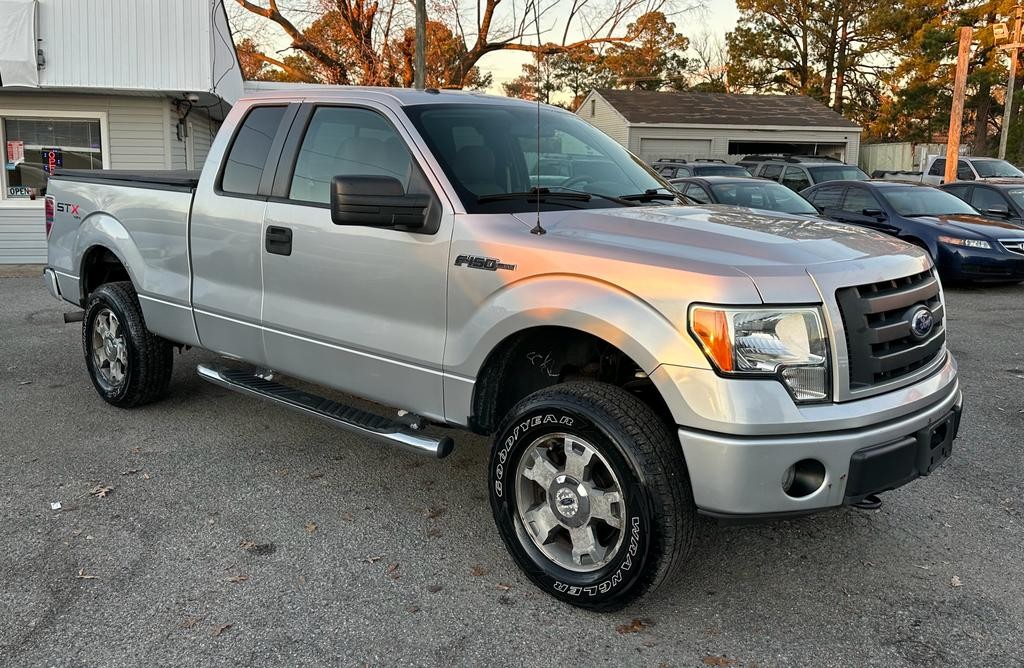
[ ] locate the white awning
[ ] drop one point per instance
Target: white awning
(18, 43)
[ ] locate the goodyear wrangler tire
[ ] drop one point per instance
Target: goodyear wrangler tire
(590, 494)
(129, 365)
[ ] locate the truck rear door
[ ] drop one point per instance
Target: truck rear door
(226, 233)
(358, 308)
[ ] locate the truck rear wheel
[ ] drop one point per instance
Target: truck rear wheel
(590, 494)
(129, 366)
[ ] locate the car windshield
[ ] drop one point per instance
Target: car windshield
(1017, 196)
(837, 173)
(492, 149)
(762, 195)
(922, 201)
(720, 170)
(988, 169)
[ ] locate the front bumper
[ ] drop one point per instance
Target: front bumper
(978, 264)
(737, 477)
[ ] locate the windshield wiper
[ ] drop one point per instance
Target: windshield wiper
(533, 194)
(648, 196)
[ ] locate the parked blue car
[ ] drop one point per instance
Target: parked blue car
(964, 245)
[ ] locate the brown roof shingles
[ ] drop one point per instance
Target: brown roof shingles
(691, 108)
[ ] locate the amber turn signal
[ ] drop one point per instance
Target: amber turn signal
(711, 327)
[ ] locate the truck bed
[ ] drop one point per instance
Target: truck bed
(163, 179)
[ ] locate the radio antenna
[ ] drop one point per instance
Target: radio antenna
(538, 228)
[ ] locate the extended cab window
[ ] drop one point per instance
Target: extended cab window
(349, 141)
(938, 168)
(243, 168)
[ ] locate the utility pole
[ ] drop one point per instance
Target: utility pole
(1012, 81)
(419, 75)
(956, 115)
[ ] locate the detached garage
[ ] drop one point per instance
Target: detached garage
(688, 125)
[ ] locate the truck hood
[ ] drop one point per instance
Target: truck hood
(748, 240)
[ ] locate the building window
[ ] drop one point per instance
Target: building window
(34, 146)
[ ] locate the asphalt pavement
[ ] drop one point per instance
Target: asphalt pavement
(213, 529)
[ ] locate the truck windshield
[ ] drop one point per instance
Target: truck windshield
(920, 201)
(492, 149)
(988, 169)
(837, 173)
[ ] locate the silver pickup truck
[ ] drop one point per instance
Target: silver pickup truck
(637, 361)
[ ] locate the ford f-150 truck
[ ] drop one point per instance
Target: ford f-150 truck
(636, 360)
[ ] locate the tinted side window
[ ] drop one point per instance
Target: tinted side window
(697, 194)
(827, 198)
(984, 199)
(243, 168)
(771, 172)
(858, 199)
(796, 179)
(347, 141)
(964, 171)
(938, 167)
(959, 191)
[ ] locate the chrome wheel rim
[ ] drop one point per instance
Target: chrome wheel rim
(570, 502)
(109, 349)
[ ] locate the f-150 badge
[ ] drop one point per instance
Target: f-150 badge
(485, 263)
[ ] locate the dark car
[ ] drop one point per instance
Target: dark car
(997, 199)
(748, 192)
(963, 244)
(673, 169)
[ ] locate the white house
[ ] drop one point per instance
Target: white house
(689, 125)
(112, 84)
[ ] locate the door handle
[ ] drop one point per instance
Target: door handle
(279, 240)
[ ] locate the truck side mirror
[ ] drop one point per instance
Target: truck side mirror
(376, 201)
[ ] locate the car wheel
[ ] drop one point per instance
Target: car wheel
(591, 495)
(129, 366)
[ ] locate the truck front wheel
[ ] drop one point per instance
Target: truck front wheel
(129, 365)
(590, 494)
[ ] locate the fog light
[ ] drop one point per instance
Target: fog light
(803, 478)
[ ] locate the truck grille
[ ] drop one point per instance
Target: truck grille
(877, 318)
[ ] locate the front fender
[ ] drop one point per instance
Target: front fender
(603, 310)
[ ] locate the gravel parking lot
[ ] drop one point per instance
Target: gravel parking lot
(236, 533)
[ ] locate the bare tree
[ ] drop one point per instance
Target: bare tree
(709, 63)
(362, 51)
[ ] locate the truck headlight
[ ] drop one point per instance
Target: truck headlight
(787, 344)
(968, 243)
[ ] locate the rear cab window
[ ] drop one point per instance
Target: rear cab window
(250, 148)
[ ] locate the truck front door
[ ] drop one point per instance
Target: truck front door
(360, 309)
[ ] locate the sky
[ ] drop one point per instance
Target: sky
(718, 18)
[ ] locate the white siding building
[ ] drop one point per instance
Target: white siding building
(111, 84)
(691, 125)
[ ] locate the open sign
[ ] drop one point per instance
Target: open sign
(20, 192)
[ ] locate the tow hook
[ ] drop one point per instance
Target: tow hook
(869, 502)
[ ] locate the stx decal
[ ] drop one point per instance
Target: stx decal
(68, 208)
(485, 263)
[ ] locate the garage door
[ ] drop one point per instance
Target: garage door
(689, 149)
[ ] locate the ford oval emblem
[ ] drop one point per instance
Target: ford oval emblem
(922, 322)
